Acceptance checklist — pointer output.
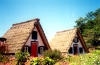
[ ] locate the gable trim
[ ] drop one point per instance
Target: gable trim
(82, 41)
(42, 35)
(41, 32)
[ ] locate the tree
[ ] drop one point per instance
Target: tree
(90, 28)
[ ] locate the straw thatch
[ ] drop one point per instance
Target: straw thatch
(63, 40)
(19, 33)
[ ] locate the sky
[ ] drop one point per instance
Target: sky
(54, 15)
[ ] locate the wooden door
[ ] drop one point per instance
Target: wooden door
(75, 46)
(34, 49)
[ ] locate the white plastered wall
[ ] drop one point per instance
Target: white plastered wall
(40, 42)
(79, 45)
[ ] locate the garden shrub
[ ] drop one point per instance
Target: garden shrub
(21, 57)
(3, 49)
(35, 61)
(3, 58)
(69, 57)
(39, 61)
(53, 54)
(96, 52)
(48, 61)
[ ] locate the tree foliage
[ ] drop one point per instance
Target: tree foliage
(90, 27)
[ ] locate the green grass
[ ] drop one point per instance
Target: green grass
(85, 59)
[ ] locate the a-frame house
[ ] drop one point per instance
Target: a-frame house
(27, 36)
(69, 42)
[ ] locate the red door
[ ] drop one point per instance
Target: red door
(34, 49)
(75, 49)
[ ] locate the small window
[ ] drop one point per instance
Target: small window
(41, 49)
(80, 50)
(75, 39)
(26, 49)
(34, 35)
(70, 50)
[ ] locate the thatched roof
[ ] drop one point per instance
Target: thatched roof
(63, 40)
(19, 33)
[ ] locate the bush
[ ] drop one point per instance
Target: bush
(3, 58)
(96, 52)
(2, 49)
(21, 57)
(48, 61)
(53, 54)
(39, 61)
(35, 61)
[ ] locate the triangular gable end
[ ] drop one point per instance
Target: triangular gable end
(36, 41)
(40, 34)
(78, 45)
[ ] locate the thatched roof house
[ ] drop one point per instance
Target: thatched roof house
(69, 41)
(21, 36)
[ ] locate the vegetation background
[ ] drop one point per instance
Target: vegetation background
(89, 27)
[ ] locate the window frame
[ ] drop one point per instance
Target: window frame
(76, 40)
(39, 49)
(26, 48)
(34, 35)
(80, 50)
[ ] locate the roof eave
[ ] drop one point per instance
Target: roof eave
(43, 37)
(82, 41)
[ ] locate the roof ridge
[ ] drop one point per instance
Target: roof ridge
(36, 19)
(67, 30)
